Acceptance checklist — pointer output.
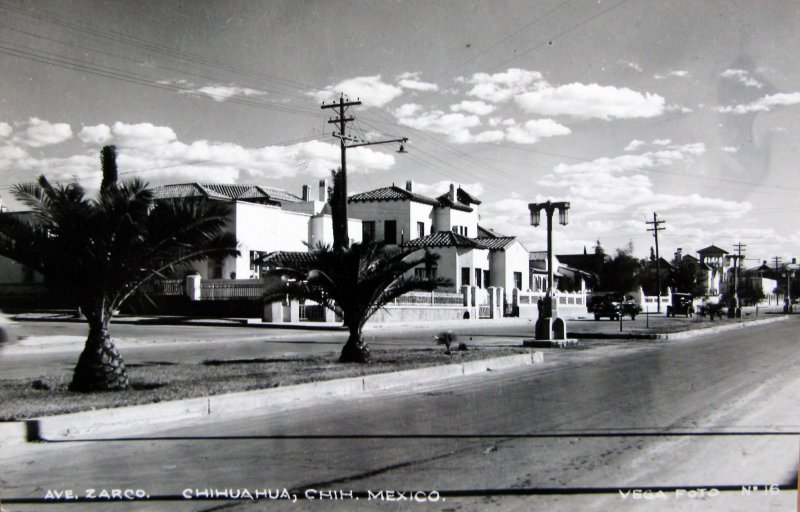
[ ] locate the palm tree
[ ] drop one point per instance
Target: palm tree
(100, 251)
(355, 282)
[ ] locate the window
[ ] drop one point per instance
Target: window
(368, 230)
(486, 279)
(390, 231)
(455, 229)
(421, 229)
(215, 264)
(518, 280)
(478, 277)
(464, 276)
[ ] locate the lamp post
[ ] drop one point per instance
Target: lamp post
(545, 325)
(790, 269)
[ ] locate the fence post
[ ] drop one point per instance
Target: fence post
(193, 286)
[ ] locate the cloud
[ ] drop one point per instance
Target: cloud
(677, 73)
(632, 65)
(412, 81)
(371, 90)
(501, 87)
(5, 130)
(662, 142)
(43, 133)
(764, 104)
(224, 92)
(634, 145)
(141, 135)
(743, 77)
(531, 131)
(455, 125)
(591, 101)
(479, 108)
(155, 154)
(729, 149)
(98, 134)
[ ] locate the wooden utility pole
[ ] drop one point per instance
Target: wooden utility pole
(739, 247)
(655, 229)
(341, 237)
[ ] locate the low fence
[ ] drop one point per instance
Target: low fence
(570, 304)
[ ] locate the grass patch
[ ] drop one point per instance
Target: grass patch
(157, 381)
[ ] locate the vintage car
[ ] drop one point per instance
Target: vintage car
(613, 306)
(682, 304)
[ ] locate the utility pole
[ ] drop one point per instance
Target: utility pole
(341, 238)
(739, 247)
(655, 229)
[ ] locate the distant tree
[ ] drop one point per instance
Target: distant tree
(99, 251)
(598, 249)
(689, 277)
(620, 273)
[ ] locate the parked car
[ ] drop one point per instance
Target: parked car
(682, 304)
(613, 306)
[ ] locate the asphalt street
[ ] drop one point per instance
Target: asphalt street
(55, 346)
(576, 433)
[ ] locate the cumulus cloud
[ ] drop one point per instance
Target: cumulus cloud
(743, 77)
(591, 101)
(479, 108)
(412, 81)
(501, 87)
(155, 154)
(371, 90)
(634, 145)
(98, 134)
(764, 104)
(729, 149)
(141, 135)
(531, 131)
(662, 142)
(5, 130)
(44, 133)
(455, 125)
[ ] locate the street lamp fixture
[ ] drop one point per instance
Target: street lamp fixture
(545, 325)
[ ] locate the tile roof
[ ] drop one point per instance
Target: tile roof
(392, 193)
(465, 197)
(445, 239)
(496, 243)
(294, 259)
(712, 249)
(395, 193)
(224, 192)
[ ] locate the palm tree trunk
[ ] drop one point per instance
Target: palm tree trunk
(100, 367)
(356, 349)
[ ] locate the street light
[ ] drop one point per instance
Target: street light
(549, 310)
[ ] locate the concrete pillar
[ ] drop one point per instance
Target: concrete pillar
(466, 291)
(273, 312)
(193, 286)
(291, 311)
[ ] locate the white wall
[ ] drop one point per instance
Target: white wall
(381, 211)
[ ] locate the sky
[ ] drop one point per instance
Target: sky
(624, 108)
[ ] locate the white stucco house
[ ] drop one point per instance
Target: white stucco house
(264, 220)
(448, 226)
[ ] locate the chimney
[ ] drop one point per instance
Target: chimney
(323, 191)
(679, 254)
(452, 192)
(410, 185)
(306, 193)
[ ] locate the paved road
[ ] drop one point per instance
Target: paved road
(482, 438)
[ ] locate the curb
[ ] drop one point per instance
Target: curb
(153, 417)
(722, 328)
